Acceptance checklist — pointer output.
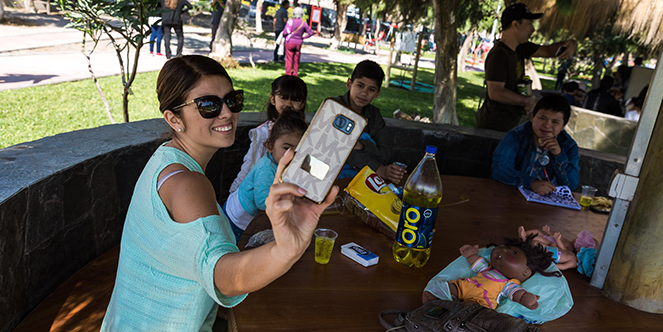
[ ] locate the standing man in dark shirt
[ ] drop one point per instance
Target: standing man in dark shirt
(280, 18)
(505, 67)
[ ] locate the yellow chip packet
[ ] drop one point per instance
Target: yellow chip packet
(371, 191)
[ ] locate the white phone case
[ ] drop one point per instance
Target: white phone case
(324, 149)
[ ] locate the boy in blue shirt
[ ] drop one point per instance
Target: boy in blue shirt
(539, 154)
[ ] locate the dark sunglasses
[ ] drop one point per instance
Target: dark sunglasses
(210, 106)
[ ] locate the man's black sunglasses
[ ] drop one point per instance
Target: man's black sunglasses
(210, 106)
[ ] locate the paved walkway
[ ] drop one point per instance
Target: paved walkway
(43, 52)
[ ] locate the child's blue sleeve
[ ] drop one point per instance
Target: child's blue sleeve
(261, 186)
(567, 170)
(504, 163)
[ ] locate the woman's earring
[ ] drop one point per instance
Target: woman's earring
(179, 130)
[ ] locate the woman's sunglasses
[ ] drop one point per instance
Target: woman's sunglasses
(210, 106)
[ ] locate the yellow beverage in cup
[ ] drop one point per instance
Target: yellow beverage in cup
(324, 243)
(585, 201)
(323, 249)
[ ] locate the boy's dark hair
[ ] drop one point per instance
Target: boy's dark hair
(570, 86)
(285, 4)
(538, 258)
(369, 69)
(606, 83)
(287, 86)
(555, 103)
(288, 122)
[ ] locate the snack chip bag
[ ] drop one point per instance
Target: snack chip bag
(371, 191)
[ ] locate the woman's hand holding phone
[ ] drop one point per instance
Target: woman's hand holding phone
(293, 219)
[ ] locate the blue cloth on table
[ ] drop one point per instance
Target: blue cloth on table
(555, 296)
(586, 261)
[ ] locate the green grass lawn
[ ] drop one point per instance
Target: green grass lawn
(32, 113)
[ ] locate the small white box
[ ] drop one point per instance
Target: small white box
(359, 254)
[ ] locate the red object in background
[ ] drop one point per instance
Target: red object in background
(316, 13)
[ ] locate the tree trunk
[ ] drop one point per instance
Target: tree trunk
(598, 71)
(2, 10)
(341, 21)
(222, 48)
(444, 100)
(258, 17)
(466, 46)
(29, 6)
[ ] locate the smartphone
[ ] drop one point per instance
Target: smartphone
(560, 50)
(324, 149)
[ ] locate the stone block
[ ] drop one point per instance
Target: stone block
(13, 271)
(585, 137)
(76, 196)
(584, 120)
(45, 211)
(55, 260)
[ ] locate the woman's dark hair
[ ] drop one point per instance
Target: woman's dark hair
(538, 258)
(555, 103)
(290, 121)
(640, 99)
(181, 74)
(290, 87)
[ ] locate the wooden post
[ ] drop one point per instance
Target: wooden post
(416, 60)
(391, 55)
(635, 277)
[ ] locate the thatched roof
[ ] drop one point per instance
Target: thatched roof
(644, 18)
(582, 17)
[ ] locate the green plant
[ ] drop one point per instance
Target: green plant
(127, 18)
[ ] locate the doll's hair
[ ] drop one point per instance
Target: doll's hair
(287, 123)
(538, 258)
(290, 87)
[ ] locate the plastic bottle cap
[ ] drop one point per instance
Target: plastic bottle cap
(431, 149)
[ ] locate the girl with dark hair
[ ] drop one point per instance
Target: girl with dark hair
(288, 93)
(178, 257)
(249, 199)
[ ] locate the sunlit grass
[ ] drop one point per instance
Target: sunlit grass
(32, 113)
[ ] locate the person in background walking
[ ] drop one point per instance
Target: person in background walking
(172, 18)
(156, 35)
(294, 37)
(280, 18)
(218, 6)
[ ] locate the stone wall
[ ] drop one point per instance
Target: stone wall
(600, 131)
(63, 198)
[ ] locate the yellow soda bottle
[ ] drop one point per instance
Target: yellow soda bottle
(421, 197)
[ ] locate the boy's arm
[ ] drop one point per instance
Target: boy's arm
(373, 154)
(567, 170)
(504, 163)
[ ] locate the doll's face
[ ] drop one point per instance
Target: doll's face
(511, 262)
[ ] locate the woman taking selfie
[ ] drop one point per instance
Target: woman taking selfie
(178, 258)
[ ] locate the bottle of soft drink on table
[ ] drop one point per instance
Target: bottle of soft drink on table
(421, 197)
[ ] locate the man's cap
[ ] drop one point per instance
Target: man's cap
(517, 11)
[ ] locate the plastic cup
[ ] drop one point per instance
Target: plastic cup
(399, 164)
(587, 196)
(324, 243)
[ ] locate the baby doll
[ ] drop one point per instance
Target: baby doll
(509, 266)
(565, 253)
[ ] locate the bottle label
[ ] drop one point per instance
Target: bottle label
(416, 226)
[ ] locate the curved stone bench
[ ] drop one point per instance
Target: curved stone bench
(63, 198)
